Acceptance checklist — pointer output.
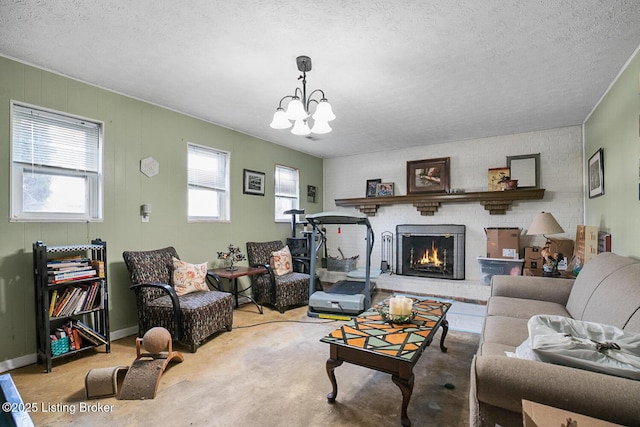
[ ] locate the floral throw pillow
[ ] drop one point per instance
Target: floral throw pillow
(189, 278)
(281, 261)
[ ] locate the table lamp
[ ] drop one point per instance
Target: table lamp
(544, 223)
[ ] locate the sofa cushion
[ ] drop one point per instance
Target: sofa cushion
(523, 308)
(590, 278)
(617, 298)
(505, 330)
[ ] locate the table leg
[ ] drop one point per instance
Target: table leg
(406, 387)
(235, 290)
(332, 364)
(445, 329)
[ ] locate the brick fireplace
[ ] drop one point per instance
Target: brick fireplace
(430, 250)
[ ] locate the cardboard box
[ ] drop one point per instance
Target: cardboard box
(586, 243)
(537, 415)
(503, 243)
(561, 245)
(533, 257)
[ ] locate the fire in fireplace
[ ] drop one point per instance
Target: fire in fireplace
(430, 250)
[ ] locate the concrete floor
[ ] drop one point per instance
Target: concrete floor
(268, 371)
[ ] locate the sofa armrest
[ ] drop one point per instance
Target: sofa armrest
(537, 288)
(503, 382)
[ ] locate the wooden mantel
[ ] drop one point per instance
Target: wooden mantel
(496, 202)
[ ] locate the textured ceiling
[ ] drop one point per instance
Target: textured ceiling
(397, 73)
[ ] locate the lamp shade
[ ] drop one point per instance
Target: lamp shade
(280, 120)
(295, 110)
(300, 128)
(324, 112)
(320, 127)
(544, 223)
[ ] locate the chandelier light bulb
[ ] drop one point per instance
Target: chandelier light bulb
(296, 111)
(324, 112)
(320, 127)
(300, 128)
(280, 120)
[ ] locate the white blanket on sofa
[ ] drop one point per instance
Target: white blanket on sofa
(585, 345)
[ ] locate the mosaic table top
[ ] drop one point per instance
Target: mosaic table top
(370, 332)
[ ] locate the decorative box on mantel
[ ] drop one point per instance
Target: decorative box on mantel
(496, 202)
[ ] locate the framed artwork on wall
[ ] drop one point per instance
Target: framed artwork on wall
(595, 169)
(371, 187)
(495, 176)
(253, 182)
(428, 176)
(311, 193)
(525, 169)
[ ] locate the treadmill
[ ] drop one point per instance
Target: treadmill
(347, 298)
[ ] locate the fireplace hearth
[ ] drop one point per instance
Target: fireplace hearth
(430, 250)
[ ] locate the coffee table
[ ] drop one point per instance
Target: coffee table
(369, 341)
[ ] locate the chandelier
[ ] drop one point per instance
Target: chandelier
(298, 109)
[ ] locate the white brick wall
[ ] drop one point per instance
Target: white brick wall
(561, 175)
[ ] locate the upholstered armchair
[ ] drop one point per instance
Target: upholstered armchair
(190, 318)
(281, 291)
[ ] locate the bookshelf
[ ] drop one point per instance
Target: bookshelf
(72, 299)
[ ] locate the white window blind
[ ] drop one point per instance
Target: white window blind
(56, 170)
(286, 191)
(208, 183)
(41, 138)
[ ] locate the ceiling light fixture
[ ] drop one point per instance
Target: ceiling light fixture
(298, 108)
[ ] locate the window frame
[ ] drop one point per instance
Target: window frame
(280, 217)
(94, 188)
(224, 200)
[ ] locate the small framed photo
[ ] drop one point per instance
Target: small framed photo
(428, 176)
(495, 176)
(371, 187)
(384, 189)
(596, 174)
(311, 193)
(253, 182)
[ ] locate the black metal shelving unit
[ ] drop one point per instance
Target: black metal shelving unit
(96, 317)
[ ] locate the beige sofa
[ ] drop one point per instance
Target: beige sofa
(606, 291)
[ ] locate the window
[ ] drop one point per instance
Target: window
(208, 183)
(56, 172)
(286, 191)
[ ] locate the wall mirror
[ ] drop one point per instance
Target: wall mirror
(526, 169)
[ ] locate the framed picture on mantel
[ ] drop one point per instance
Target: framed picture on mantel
(428, 176)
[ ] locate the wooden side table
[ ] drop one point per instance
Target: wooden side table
(232, 277)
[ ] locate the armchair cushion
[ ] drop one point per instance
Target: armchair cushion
(281, 261)
(188, 278)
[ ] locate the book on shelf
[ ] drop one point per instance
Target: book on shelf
(59, 263)
(62, 301)
(74, 300)
(604, 242)
(52, 303)
(71, 275)
(98, 266)
(89, 333)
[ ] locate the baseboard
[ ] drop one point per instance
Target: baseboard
(30, 359)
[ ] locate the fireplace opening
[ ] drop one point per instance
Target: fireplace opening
(431, 250)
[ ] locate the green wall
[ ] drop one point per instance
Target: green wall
(614, 126)
(133, 130)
